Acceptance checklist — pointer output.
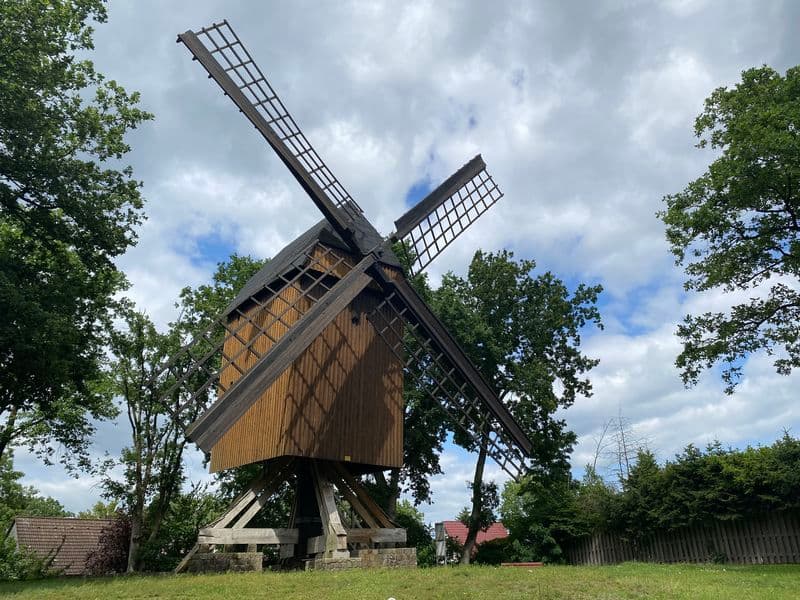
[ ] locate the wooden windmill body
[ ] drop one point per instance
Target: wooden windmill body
(304, 371)
(341, 400)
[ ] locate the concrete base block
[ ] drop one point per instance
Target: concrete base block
(388, 557)
(222, 562)
(331, 564)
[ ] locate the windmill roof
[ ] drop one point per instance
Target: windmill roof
(71, 540)
(458, 531)
(292, 256)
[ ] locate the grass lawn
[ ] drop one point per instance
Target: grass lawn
(631, 580)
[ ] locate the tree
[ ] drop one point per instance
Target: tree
(523, 332)
(418, 534)
(101, 510)
(540, 513)
(737, 227)
(66, 209)
(153, 463)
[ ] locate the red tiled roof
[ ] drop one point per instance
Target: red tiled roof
(458, 531)
(71, 539)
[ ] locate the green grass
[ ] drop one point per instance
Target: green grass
(631, 580)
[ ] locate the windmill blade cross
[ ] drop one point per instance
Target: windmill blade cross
(270, 327)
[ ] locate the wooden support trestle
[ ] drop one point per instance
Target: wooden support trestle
(316, 529)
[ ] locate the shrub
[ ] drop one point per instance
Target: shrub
(20, 564)
(493, 552)
(111, 555)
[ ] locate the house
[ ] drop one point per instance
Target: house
(457, 531)
(68, 541)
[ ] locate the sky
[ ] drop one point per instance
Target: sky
(583, 113)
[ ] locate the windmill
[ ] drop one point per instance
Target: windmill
(304, 370)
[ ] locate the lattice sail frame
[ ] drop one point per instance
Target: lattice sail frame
(320, 268)
(451, 218)
(440, 380)
(224, 45)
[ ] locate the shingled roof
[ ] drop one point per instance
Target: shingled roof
(71, 539)
(458, 531)
(292, 255)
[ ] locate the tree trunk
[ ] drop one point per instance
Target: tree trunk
(135, 543)
(394, 494)
(8, 430)
(390, 489)
(477, 506)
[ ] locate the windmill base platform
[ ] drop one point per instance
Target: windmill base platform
(243, 562)
(316, 538)
(365, 559)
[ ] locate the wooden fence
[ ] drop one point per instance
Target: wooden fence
(770, 538)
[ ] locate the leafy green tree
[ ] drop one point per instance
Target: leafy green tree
(596, 504)
(177, 535)
(540, 514)
(153, 463)
(101, 510)
(67, 208)
(418, 533)
(523, 332)
(643, 495)
(737, 227)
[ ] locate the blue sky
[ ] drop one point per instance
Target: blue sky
(582, 111)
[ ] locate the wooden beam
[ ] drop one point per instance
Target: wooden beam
(354, 501)
(215, 535)
(185, 561)
(221, 416)
(376, 536)
(365, 498)
(255, 506)
(316, 545)
(241, 503)
(334, 532)
(244, 499)
(274, 479)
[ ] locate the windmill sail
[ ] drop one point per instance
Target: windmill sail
(444, 214)
(228, 62)
(417, 337)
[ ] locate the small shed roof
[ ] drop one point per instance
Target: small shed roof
(458, 531)
(71, 539)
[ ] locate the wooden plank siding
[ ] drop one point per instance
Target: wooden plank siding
(342, 399)
(765, 539)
